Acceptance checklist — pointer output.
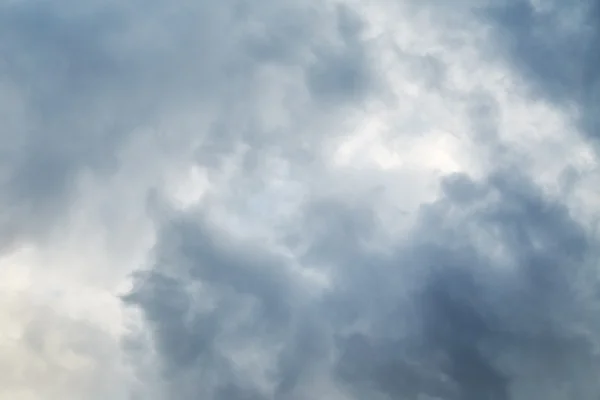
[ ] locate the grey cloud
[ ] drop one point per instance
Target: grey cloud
(553, 56)
(236, 393)
(253, 295)
(336, 70)
(490, 295)
(555, 50)
(82, 83)
(442, 316)
(551, 45)
(490, 328)
(55, 67)
(86, 77)
(180, 347)
(344, 73)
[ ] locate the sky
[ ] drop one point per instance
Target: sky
(299, 199)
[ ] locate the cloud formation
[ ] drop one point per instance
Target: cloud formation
(296, 200)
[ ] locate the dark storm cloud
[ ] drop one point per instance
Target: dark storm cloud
(552, 48)
(488, 298)
(489, 328)
(555, 49)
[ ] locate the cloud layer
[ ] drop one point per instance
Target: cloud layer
(244, 200)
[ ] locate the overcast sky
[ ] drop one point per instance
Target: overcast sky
(299, 199)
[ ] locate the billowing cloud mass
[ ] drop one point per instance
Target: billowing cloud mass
(339, 199)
